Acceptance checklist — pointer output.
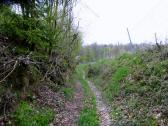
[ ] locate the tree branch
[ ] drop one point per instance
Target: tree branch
(14, 67)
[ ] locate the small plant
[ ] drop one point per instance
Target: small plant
(29, 115)
(68, 92)
(88, 117)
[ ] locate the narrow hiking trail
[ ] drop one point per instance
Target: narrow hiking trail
(102, 108)
(69, 116)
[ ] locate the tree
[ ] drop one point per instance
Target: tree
(43, 32)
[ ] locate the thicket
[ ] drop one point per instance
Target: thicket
(135, 86)
(38, 45)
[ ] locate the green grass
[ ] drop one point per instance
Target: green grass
(133, 85)
(110, 73)
(31, 115)
(88, 116)
(68, 92)
(114, 84)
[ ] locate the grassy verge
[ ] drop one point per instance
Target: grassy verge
(135, 87)
(31, 115)
(88, 116)
(69, 89)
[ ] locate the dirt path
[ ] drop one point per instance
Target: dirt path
(71, 109)
(70, 113)
(101, 107)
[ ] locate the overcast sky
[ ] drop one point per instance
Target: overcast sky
(105, 21)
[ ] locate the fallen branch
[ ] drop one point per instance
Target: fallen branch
(14, 67)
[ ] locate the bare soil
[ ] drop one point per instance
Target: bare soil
(71, 112)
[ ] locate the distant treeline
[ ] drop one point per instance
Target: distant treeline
(94, 52)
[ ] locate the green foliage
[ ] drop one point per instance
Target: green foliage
(68, 92)
(43, 42)
(27, 31)
(114, 84)
(111, 72)
(42, 39)
(30, 115)
(135, 86)
(93, 71)
(121, 73)
(87, 118)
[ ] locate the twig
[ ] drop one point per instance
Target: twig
(14, 67)
(47, 73)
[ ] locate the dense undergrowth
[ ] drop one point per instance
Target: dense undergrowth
(89, 115)
(38, 48)
(135, 86)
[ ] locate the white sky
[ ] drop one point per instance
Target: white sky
(105, 21)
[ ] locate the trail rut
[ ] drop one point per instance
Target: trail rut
(102, 108)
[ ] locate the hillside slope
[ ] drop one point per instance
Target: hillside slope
(39, 44)
(135, 86)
